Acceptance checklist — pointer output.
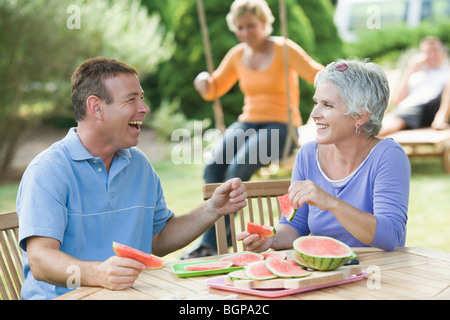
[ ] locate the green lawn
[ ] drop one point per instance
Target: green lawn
(8, 194)
(429, 210)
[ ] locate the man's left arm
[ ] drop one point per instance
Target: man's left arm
(181, 230)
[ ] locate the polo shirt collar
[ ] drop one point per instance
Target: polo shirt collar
(78, 152)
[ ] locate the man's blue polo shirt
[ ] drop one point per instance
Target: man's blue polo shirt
(66, 194)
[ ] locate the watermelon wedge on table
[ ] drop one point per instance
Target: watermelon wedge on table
(150, 261)
(322, 253)
(295, 257)
(277, 254)
(238, 275)
(258, 271)
(242, 259)
(286, 208)
(285, 268)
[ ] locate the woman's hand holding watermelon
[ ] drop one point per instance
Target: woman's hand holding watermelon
(361, 224)
(306, 191)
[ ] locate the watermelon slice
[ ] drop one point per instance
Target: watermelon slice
(262, 231)
(243, 258)
(276, 254)
(286, 208)
(238, 275)
(322, 253)
(150, 261)
(258, 271)
(208, 266)
(285, 268)
(295, 257)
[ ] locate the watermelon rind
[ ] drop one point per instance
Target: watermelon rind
(291, 216)
(242, 259)
(151, 262)
(322, 262)
(285, 268)
(294, 256)
(258, 271)
(287, 210)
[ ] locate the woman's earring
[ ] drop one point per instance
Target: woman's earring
(357, 129)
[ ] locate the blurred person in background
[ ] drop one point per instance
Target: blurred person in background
(417, 99)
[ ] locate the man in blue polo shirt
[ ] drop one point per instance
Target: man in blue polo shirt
(93, 187)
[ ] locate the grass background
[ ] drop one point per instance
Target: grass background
(429, 207)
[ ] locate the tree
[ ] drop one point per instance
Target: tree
(329, 46)
(30, 54)
(40, 47)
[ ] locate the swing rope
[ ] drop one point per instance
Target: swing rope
(291, 136)
(217, 106)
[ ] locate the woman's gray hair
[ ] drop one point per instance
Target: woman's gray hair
(258, 8)
(363, 86)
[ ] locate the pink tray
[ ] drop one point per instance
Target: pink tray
(218, 283)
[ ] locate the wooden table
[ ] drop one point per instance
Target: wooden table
(406, 273)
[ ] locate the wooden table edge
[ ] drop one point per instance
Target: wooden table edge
(84, 292)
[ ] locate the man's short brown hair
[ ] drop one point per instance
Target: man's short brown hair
(88, 79)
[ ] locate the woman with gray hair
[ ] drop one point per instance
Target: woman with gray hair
(347, 184)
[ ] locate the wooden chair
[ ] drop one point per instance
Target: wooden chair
(11, 276)
(262, 208)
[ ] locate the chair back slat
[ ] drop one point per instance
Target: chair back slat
(11, 266)
(262, 208)
(233, 231)
(260, 211)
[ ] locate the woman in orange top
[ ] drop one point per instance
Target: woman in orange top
(258, 136)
